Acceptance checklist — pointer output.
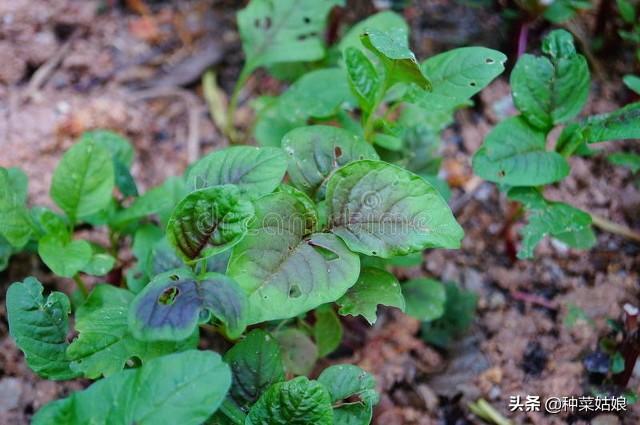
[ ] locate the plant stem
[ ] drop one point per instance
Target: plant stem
(81, 285)
(230, 130)
(233, 412)
(615, 228)
(523, 36)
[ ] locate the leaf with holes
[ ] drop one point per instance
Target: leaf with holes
(513, 153)
(456, 76)
(256, 171)
(256, 364)
(209, 221)
(352, 391)
(382, 210)
(105, 343)
(173, 303)
(363, 78)
(374, 287)
(283, 31)
(165, 391)
(400, 64)
(15, 225)
(83, 180)
(284, 267)
(382, 21)
(425, 298)
(299, 401)
(551, 89)
(39, 328)
(314, 152)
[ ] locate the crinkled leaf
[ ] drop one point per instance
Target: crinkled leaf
(39, 328)
(173, 303)
(382, 210)
(314, 152)
(363, 78)
(182, 388)
(623, 123)
(557, 219)
(63, 256)
(382, 21)
(256, 171)
(425, 298)
(514, 153)
(456, 76)
(285, 268)
(15, 224)
(105, 344)
(209, 221)
(298, 401)
(276, 31)
(303, 99)
(551, 90)
(392, 48)
(626, 159)
(374, 287)
(345, 383)
(256, 363)
(327, 330)
(83, 181)
(299, 353)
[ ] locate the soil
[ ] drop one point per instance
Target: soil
(134, 67)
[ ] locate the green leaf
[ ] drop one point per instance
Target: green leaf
(283, 31)
(182, 388)
(627, 11)
(99, 264)
(256, 363)
(327, 330)
(456, 76)
(514, 153)
(557, 219)
(314, 152)
(303, 99)
(625, 159)
(5, 253)
(617, 363)
(374, 287)
(299, 353)
(382, 21)
(458, 315)
(105, 344)
(39, 328)
(551, 90)
(173, 303)
(632, 82)
(272, 124)
(425, 298)
(382, 210)
(353, 390)
(284, 267)
(299, 401)
(256, 171)
(15, 225)
(83, 181)
(392, 48)
(561, 11)
(63, 256)
(363, 78)
(209, 221)
(623, 123)
(122, 154)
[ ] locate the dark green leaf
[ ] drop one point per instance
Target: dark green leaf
(374, 287)
(425, 298)
(105, 344)
(83, 181)
(632, 82)
(382, 210)
(346, 383)
(173, 303)
(298, 401)
(626, 159)
(256, 363)
(299, 353)
(182, 388)
(316, 151)
(284, 267)
(514, 153)
(209, 221)
(39, 327)
(458, 315)
(623, 123)
(363, 78)
(256, 171)
(15, 225)
(327, 331)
